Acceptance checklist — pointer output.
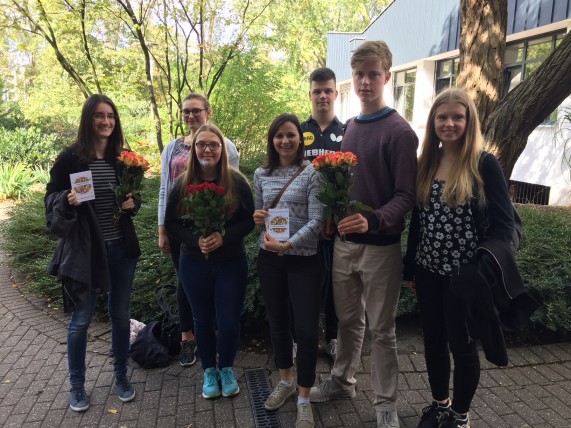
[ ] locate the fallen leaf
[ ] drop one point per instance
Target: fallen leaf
(113, 411)
(7, 381)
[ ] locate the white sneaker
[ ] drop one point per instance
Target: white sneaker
(304, 416)
(279, 396)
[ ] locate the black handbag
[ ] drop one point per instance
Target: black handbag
(170, 321)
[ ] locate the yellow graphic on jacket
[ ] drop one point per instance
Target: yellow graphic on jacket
(308, 138)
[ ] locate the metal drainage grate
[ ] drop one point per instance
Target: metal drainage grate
(259, 389)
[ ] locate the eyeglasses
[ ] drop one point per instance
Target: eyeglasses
(103, 116)
(195, 111)
(212, 146)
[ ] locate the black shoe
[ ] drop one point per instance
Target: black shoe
(432, 415)
(187, 352)
(454, 420)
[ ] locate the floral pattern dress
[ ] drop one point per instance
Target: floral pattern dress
(450, 235)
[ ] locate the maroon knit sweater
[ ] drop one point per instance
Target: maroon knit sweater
(385, 175)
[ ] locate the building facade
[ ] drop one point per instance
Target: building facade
(424, 38)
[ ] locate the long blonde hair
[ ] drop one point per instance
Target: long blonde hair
(226, 176)
(464, 178)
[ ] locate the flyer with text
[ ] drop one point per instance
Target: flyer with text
(277, 223)
(82, 183)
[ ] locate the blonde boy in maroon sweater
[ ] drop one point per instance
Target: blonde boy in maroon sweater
(367, 267)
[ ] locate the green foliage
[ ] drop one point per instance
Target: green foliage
(16, 181)
(29, 145)
(29, 247)
(544, 259)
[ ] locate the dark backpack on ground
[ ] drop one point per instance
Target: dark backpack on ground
(147, 350)
(482, 217)
(170, 321)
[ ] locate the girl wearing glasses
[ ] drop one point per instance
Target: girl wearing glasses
(94, 254)
(216, 285)
(196, 111)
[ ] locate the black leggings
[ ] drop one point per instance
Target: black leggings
(295, 279)
(444, 326)
(184, 309)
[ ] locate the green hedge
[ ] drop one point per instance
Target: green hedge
(30, 146)
(544, 259)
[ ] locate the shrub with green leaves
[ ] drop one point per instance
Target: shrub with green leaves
(544, 258)
(16, 181)
(30, 146)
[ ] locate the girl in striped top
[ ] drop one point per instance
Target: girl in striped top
(94, 254)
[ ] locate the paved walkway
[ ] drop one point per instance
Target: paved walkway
(534, 391)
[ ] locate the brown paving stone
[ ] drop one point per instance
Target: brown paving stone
(350, 420)
(223, 410)
(328, 415)
(561, 408)
(529, 415)
(244, 417)
(494, 403)
(554, 419)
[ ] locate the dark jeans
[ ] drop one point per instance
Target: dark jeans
(331, 321)
(327, 300)
(216, 291)
(444, 326)
(295, 279)
(122, 272)
(184, 309)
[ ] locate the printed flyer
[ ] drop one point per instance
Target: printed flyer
(82, 183)
(277, 223)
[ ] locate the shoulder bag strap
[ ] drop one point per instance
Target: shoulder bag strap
(293, 177)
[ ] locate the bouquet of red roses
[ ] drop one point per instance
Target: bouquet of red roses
(335, 168)
(207, 208)
(134, 167)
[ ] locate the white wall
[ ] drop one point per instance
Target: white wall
(542, 161)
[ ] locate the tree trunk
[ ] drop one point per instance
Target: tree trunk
(528, 105)
(137, 31)
(482, 48)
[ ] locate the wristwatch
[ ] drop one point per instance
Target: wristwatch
(281, 249)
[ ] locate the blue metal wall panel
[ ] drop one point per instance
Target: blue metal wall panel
(417, 29)
(545, 12)
(339, 54)
(562, 10)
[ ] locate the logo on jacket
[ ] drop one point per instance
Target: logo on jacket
(308, 138)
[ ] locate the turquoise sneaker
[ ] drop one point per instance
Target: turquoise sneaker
(211, 384)
(229, 385)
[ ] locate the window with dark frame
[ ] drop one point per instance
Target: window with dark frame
(524, 57)
(404, 83)
(446, 73)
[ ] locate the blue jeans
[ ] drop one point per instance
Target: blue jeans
(216, 291)
(122, 272)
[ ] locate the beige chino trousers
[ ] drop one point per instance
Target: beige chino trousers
(366, 280)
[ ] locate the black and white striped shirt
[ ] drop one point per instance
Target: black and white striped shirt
(103, 178)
